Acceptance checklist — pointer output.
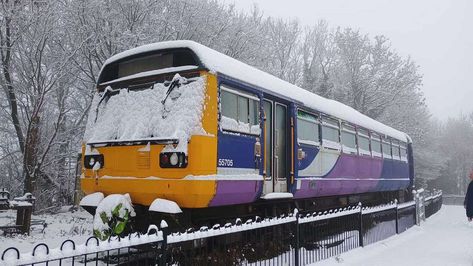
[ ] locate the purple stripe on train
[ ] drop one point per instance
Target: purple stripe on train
(354, 174)
(236, 192)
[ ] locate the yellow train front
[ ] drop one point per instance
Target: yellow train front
(152, 133)
(157, 131)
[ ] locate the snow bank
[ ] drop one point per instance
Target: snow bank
(165, 206)
(92, 200)
(131, 115)
(220, 63)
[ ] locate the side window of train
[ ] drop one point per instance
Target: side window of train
(387, 148)
(395, 147)
(307, 129)
(403, 151)
(349, 139)
(375, 145)
(364, 142)
(330, 133)
(239, 111)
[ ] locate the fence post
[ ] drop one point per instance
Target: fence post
(296, 250)
(397, 217)
(164, 244)
(361, 224)
(417, 208)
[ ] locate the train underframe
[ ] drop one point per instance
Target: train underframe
(196, 218)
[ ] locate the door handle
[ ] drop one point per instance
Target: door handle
(257, 148)
(300, 154)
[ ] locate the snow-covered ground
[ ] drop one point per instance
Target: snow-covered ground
(444, 239)
(61, 226)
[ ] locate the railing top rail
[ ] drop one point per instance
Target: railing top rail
(406, 205)
(319, 216)
(367, 210)
(434, 196)
(235, 228)
(83, 249)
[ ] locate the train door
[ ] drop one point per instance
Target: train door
(275, 146)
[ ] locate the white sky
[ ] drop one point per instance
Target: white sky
(437, 34)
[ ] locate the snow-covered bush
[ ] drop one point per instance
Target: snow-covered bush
(112, 216)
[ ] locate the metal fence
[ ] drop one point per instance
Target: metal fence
(433, 203)
(293, 239)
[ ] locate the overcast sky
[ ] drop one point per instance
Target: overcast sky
(437, 34)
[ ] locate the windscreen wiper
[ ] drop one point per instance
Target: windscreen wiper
(176, 81)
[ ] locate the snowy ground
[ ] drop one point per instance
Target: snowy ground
(444, 239)
(61, 226)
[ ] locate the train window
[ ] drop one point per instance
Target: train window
(375, 145)
(229, 103)
(240, 111)
(386, 148)
(330, 133)
(253, 111)
(243, 115)
(363, 142)
(145, 62)
(395, 147)
(307, 128)
(349, 139)
(403, 151)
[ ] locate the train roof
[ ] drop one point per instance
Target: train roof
(221, 63)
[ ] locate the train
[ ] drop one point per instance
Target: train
(190, 132)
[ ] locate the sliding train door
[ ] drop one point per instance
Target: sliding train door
(275, 146)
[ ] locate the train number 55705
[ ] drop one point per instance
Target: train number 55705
(225, 162)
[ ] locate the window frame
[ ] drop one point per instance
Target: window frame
(317, 122)
(251, 98)
(386, 140)
(329, 144)
(364, 134)
(395, 144)
(403, 145)
(351, 129)
(373, 136)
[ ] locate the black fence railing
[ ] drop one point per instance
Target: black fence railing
(294, 239)
(433, 203)
(406, 217)
(327, 234)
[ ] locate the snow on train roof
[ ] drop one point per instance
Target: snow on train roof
(220, 63)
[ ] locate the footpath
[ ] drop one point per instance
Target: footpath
(445, 239)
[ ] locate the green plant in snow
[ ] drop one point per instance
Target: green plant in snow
(116, 223)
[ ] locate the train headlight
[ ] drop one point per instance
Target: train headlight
(173, 160)
(91, 160)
